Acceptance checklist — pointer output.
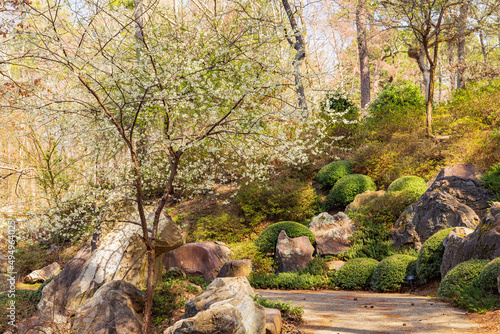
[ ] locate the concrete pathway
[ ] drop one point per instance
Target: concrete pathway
(352, 312)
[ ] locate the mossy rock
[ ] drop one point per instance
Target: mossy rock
(266, 242)
(462, 276)
(430, 256)
(412, 184)
(390, 274)
(355, 274)
(488, 278)
(333, 172)
(345, 189)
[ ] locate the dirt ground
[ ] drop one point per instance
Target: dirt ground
(360, 312)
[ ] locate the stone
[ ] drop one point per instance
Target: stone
(236, 268)
(224, 307)
(273, 321)
(199, 258)
(43, 274)
(293, 253)
(482, 243)
(463, 171)
(114, 308)
(4, 263)
(335, 264)
(332, 233)
(434, 211)
(363, 199)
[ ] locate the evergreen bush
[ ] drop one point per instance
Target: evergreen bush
(390, 274)
(266, 242)
(492, 181)
(355, 274)
(462, 276)
(333, 172)
(430, 256)
(412, 184)
(345, 189)
(488, 278)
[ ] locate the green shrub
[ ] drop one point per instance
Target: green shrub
(355, 274)
(288, 312)
(25, 303)
(488, 278)
(282, 199)
(345, 189)
(261, 263)
(430, 257)
(333, 172)
(266, 242)
(289, 281)
(463, 275)
(475, 299)
(492, 181)
(390, 274)
(317, 266)
(412, 184)
(374, 222)
(223, 228)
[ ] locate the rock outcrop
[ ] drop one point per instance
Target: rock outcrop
(236, 268)
(332, 233)
(199, 258)
(483, 243)
(43, 274)
(293, 253)
(225, 307)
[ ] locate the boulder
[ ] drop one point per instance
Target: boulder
(199, 258)
(463, 171)
(224, 307)
(236, 268)
(332, 233)
(434, 211)
(43, 274)
(483, 243)
(273, 321)
(363, 199)
(293, 253)
(114, 308)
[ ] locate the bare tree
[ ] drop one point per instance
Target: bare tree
(362, 40)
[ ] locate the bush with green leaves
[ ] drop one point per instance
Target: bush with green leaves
(333, 172)
(224, 227)
(390, 274)
(488, 278)
(345, 189)
(341, 116)
(475, 299)
(289, 281)
(355, 274)
(462, 276)
(412, 184)
(288, 312)
(430, 256)
(261, 263)
(492, 181)
(374, 222)
(266, 242)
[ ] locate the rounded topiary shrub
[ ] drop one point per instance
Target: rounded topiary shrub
(462, 276)
(488, 277)
(390, 274)
(413, 184)
(355, 274)
(430, 256)
(266, 242)
(345, 189)
(333, 172)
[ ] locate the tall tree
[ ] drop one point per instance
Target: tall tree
(461, 34)
(362, 40)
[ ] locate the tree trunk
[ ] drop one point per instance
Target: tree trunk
(451, 57)
(430, 99)
(461, 27)
(419, 55)
(364, 65)
(483, 47)
(148, 305)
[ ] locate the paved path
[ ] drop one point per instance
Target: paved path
(352, 312)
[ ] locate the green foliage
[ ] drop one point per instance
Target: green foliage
(488, 278)
(390, 274)
(225, 228)
(492, 181)
(345, 189)
(463, 275)
(30, 258)
(475, 299)
(288, 312)
(333, 172)
(430, 256)
(355, 274)
(374, 222)
(266, 242)
(341, 116)
(317, 266)
(281, 199)
(261, 263)
(413, 184)
(289, 281)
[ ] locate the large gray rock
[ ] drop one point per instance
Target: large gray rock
(363, 199)
(483, 243)
(434, 211)
(199, 258)
(463, 171)
(43, 274)
(236, 268)
(114, 308)
(453, 244)
(225, 307)
(332, 233)
(293, 253)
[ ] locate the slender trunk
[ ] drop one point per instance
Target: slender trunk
(364, 65)
(451, 59)
(419, 55)
(440, 85)
(462, 26)
(483, 47)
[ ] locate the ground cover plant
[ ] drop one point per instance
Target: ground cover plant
(289, 313)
